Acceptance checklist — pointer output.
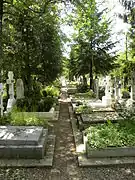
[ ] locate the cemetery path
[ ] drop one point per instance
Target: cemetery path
(65, 159)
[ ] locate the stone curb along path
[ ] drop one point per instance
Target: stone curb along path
(46, 162)
(83, 161)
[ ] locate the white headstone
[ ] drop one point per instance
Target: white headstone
(133, 86)
(116, 89)
(119, 90)
(10, 82)
(107, 99)
(19, 89)
(97, 88)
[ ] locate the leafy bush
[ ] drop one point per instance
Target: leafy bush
(5, 100)
(101, 92)
(84, 109)
(24, 119)
(34, 105)
(27, 104)
(5, 120)
(125, 94)
(45, 104)
(111, 134)
(81, 88)
(87, 95)
(51, 91)
(57, 84)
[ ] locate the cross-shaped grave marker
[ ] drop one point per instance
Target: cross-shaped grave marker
(10, 82)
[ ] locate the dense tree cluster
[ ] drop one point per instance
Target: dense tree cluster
(91, 53)
(31, 40)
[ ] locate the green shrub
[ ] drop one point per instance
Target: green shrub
(111, 134)
(27, 104)
(125, 94)
(84, 109)
(87, 95)
(5, 100)
(5, 120)
(34, 105)
(24, 119)
(101, 92)
(81, 88)
(45, 104)
(51, 91)
(57, 84)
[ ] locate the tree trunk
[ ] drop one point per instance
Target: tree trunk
(91, 75)
(1, 51)
(84, 80)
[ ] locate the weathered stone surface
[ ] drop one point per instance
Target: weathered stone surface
(100, 162)
(25, 151)
(110, 152)
(55, 174)
(47, 161)
(42, 115)
(100, 117)
(20, 135)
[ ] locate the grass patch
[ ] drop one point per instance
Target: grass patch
(109, 134)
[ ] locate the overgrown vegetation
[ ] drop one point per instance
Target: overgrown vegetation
(111, 134)
(17, 118)
(86, 95)
(83, 109)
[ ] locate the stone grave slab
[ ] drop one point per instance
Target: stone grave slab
(23, 142)
(47, 161)
(83, 161)
(20, 135)
(100, 117)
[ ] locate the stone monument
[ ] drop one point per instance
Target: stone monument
(23, 142)
(116, 94)
(19, 89)
(10, 82)
(119, 90)
(131, 102)
(107, 99)
(97, 88)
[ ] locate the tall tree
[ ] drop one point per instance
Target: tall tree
(1, 17)
(93, 40)
(32, 42)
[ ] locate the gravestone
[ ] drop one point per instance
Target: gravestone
(133, 86)
(116, 89)
(26, 142)
(97, 88)
(10, 82)
(1, 98)
(131, 102)
(107, 99)
(19, 89)
(119, 90)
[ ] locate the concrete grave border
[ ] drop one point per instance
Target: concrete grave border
(52, 115)
(46, 162)
(83, 161)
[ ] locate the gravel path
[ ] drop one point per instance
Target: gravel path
(65, 160)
